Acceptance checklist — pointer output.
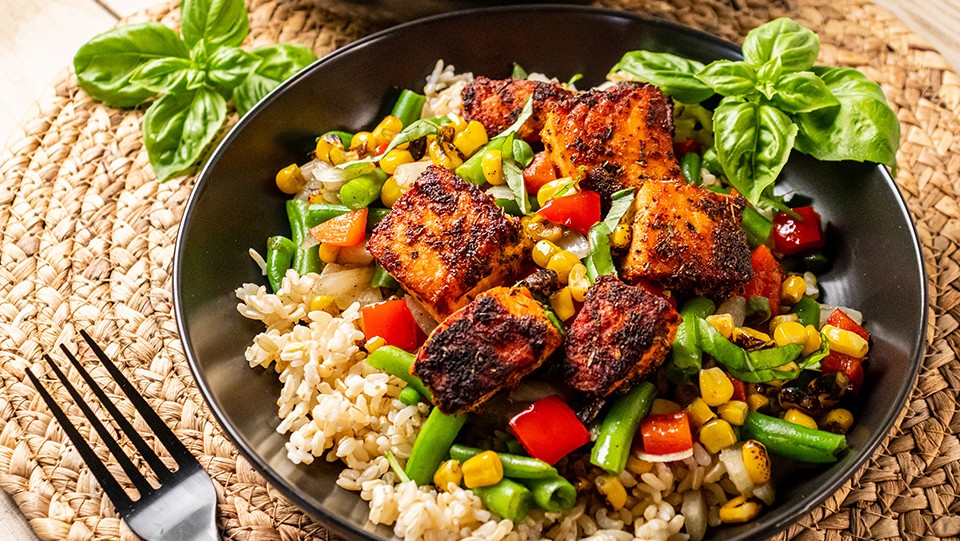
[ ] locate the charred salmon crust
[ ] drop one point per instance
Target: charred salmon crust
(497, 103)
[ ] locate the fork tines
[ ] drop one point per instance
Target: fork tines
(162, 432)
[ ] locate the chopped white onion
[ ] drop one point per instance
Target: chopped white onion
(732, 458)
(671, 457)
(812, 289)
(348, 285)
(258, 259)
(827, 309)
(575, 243)
(694, 511)
(309, 242)
(355, 255)
(423, 318)
(500, 192)
(765, 493)
(407, 174)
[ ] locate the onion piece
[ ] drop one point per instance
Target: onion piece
(500, 192)
(348, 285)
(765, 493)
(694, 511)
(732, 458)
(309, 242)
(574, 242)
(827, 309)
(671, 457)
(423, 318)
(354, 255)
(406, 175)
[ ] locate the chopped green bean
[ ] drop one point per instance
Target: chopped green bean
(409, 396)
(409, 107)
(756, 226)
(792, 440)
(397, 362)
(280, 253)
(304, 259)
(808, 311)
(686, 357)
(363, 190)
(317, 213)
(514, 466)
(432, 444)
(382, 278)
(553, 494)
(509, 499)
(619, 425)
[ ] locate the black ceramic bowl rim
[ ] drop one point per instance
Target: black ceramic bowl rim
(769, 523)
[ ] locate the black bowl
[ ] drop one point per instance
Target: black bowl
(877, 266)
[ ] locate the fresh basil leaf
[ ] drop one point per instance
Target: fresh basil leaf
(620, 203)
(522, 152)
(796, 46)
(230, 66)
(730, 78)
(599, 261)
(522, 118)
(802, 92)
(105, 64)
(518, 72)
(177, 129)
(166, 75)
(514, 178)
(862, 128)
(812, 361)
(754, 366)
(218, 22)
(767, 77)
(753, 143)
(277, 64)
(420, 128)
(674, 75)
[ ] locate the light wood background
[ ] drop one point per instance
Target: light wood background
(39, 37)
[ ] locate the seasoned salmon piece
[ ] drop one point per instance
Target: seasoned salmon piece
(445, 241)
(616, 138)
(496, 103)
(484, 348)
(621, 335)
(687, 238)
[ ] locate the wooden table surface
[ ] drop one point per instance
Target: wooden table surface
(38, 38)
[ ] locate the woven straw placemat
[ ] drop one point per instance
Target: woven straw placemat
(87, 242)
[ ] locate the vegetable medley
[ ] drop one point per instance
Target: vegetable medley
(601, 277)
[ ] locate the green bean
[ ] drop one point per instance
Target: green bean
(686, 357)
(432, 444)
(509, 499)
(816, 262)
(690, 167)
(514, 466)
(553, 494)
(382, 278)
(359, 192)
(409, 396)
(280, 253)
(619, 425)
(318, 213)
(808, 311)
(756, 226)
(304, 260)
(792, 440)
(397, 362)
(758, 307)
(409, 106)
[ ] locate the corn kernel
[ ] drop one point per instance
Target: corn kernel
(290, 180)
(322, 150)
(757, 461)
(562, 263)
(845, 342)
(556, 187)
(320, 302)
(394, 159)
(328, 254)
(662, 405)
(734, 412)
(543, 250)
(757, 401)
(638, 466)
(797, 417)
(739, 510)
(716, 435)
(473, 136)
(458, 122)
(715, 387)
(837, 420)
(578, 282)
(620, 238)
(539, 229)
(448, 472)
(790, 332)
(339, 156)
(782, 318)
(813, 340)
(482, 470)
(363, 143)
(750, 333)
(443, 154)
(390, 192)
(562, 304)
(492, 166)
(792, 289)
(387, 129)
(374, 344)
(722, 323)
(611, 487)
(699, 412)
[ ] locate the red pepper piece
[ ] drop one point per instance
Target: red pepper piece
(666, 433)
(539, 172)
(549, 430)
(578, 211)
(392, 321)
(767, 278)
(686, 146)
(791, 236)
(345, 230)
(841, 320)
(851, 366)
(739, 389)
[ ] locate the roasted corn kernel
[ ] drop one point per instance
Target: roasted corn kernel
(792, 289)
(374, 344)
(394, 159)
(482, 470)
(715, 387)
(562, 304)
(390, 192)
(777, 320)
(790, 332)
(813, 340)
(739, 510)
(559, 186)
(757, 461)
(448, 472)
(543, 250)
(662, 405)
(339, 155)
(328, 254)
(638, 466)
(611, 487)
(320, 302)
(562, 263)
(471, 138)
(620, 238)
(846, 342)
(492, 166)
(290, 180)
(722, 323)
(443, 154)
(717, 434)
(797, 417)
(387, 129)
(325, 144)
(699, 412)
(750, 334)
(837, 420)
(734, 412)
(757, 401)
(539, 229)
(363, 143)
(578, 282)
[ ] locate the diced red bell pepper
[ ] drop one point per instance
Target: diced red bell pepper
(851, 366)
(686, 146)
(392, 321)
(739, 389)
(791, 236)
(578, 211)
(767, 277)
(549, 430)
(666, 433)
(345, 230)
(841, 320)
(539, 172)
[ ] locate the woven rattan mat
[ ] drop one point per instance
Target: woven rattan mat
(88, 238)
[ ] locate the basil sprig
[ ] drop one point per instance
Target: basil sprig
(775, 100)
(193, 75)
